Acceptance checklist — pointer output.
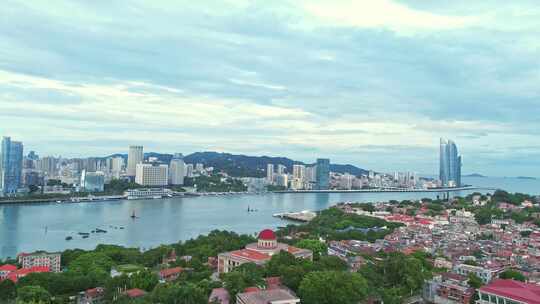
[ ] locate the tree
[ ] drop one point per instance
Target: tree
(318, 247)
(332, 287)
(328, 263)
(474, 281)
(513, 275)
(8, 290)
(242, 277)
(33, 294)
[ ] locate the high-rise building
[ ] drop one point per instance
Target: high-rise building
(47, 165)
(199, 167)
(281, 169)
(117, 164)
(11, 165)
(135, 156)
(189, 170)
(299, 171)
(177, 170)
(152, 174)
(92, 181)
(311, 174)
(323, 174)
(449, 164)
(269, 173)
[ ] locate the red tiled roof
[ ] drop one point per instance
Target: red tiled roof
(267, 234)
(94, 292)
(8, 267)
(292, 249)
(250, 255)
(135, 293)
(15, 275)
(516, 290)
(170, 271)
(251, 289)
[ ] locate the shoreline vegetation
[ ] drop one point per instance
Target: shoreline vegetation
(390, 276)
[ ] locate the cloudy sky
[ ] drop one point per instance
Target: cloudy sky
(372, 83)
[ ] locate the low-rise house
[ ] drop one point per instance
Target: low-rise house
(219, 296)
(273, 296)
(509, 292)
(170, 274)
(92, 296)
(5, 270)
(14, 276)
(135, 293)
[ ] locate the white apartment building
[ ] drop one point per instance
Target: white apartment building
(51, 260)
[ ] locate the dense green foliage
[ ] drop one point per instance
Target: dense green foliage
(330, 287)
(218, 183)
(512, 274)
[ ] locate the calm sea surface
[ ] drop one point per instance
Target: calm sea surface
(45, 226)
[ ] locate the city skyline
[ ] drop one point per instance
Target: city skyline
(361, 88)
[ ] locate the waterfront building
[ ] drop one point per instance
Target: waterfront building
(259, 253)
(177, 170)
(270, 173)
(323, 174)
(93, 181)
(509, 292)
(38, 259)
(144, 193)
(449, 164)
(152, 174)
(281, 169)
(135, 157)
(281, 180)
(11, 164)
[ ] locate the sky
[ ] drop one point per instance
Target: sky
(370, 83)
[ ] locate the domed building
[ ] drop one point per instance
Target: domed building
(259, 253)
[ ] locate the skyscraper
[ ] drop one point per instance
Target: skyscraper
(177, 170)
(11, 163)
(323, 174)
(449, 164)
(269, 173)
(135, 156)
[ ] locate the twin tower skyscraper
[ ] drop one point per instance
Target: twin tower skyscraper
(450, 164)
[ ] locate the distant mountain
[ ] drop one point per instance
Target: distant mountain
(526, 177)
(244, 165)
(474, 175)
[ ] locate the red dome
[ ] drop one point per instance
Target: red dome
(267, 235)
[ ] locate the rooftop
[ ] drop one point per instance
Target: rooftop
(267, 296)
(520, 291)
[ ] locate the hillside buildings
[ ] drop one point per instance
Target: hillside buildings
(135, 156)
(38, 259)
(450, 164)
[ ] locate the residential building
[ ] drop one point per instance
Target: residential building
(322, 174)
(11, 165)
(259, 253)
(299, 171)
(199, 167)
(170, 274)
(177, 170)
(281, 169)
(15, 275)
(152, 174)
(448, 288)
(485, 274)
(5, 270)
(269, 296)
(449, 164)
(135, 157)
(50, 260)
(509, 292)
(281, 180)
(189, 170)
(117, 164)
(92, 181)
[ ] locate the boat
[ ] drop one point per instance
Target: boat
(69, 238)
(100, 230)
(133, 216)
(83, 233)
(85, 236)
